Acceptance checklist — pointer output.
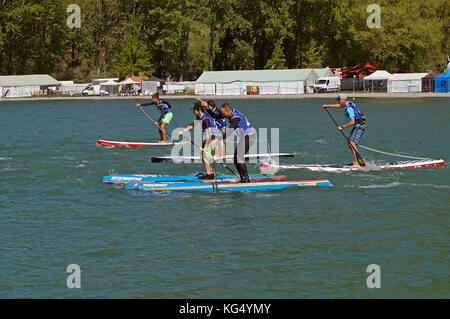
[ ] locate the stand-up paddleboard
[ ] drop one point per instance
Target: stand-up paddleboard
(134, 178)
(212, 187)
(133, 144)
(346, 168)
(248, 157)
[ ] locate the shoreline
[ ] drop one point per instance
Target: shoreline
(221, 97)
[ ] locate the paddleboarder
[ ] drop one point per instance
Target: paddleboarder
(247, 135)
(355, 119)
(166, 115)
(221, 122)
(210, 133)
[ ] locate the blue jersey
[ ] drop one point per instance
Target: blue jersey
(221, 122)
(351, 110)
(244, 125)
(212, 123)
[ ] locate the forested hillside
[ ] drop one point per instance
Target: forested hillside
(182, 38)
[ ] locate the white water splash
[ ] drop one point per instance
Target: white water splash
(393, 184)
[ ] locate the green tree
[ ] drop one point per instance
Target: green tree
(314, 56)
(409, 33)
(133, 57)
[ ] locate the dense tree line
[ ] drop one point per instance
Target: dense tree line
(181, 38)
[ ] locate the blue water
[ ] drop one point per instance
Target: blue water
(291, 243)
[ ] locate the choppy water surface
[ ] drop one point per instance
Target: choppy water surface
(292, 243)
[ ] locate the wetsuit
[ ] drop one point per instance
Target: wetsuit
(247, 134)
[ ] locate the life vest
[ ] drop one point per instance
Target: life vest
(244, 125)
(221, 122)
(360, 118)
(212, 123)
(164, 107)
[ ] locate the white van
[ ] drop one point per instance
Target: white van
(92, 90)
(327, 84)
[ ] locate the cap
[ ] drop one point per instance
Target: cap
(342, 97)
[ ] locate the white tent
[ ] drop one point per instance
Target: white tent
(406, 82)
(379, 75)
(111, 86)
(380, 80)
(110, 83)
(292, 81)
(129, 82)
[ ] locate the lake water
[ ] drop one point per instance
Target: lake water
(291, 243)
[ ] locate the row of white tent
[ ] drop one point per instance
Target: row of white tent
(289, 81)
(399, 82)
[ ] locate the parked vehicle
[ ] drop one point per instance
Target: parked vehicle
(327, 84)
(92, 90)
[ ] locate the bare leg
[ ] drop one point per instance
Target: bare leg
(205, 160)
(353, 148)
(162, 132)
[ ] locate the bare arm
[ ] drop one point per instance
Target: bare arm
(337, 106)
(350, 123)
(204, 104)
(188, 128)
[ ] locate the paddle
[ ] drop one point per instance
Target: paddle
(358, 157)
(140, 107)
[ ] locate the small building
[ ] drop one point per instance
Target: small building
(442, 82)
(27, 85)
(406, 82)
(291, 81)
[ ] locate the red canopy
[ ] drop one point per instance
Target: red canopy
(369, 66)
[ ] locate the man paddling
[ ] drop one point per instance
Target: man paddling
(356, 119)
(247, 135)
(210, 133)
(166, 115)
(212, 110)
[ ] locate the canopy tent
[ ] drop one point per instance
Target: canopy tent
(442, 82)
(132, 87)
(379, 80)
(379, 75)
(129, 81)
(111, 86)
(110, 83)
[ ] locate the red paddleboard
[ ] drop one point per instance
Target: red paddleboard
(131, 144)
